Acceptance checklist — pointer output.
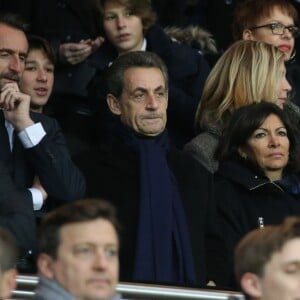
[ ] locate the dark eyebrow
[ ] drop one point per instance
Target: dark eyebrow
(281, 127)
(31, 61)
(264, 129)
(161, 87)
(139, 89)
(7, 50)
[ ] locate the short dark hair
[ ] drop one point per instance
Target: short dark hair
(247, 13)
(79, 211)
(245, 120)
(140, 8)
(255, 250)
(15, 21)
(8, 250)
(39, 43)
(142, 59)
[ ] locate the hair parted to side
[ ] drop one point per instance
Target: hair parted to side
(8, 250)
(140, 8)
(244, 121)
(133, 59)
(39, 43)
(75, 212)
(248, 13)
(256, 249)
(248, 71)
(14, 21)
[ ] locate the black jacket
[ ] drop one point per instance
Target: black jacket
(67, 21)
(243, 196)
(112, 173)
(16, 213)
(49, 160)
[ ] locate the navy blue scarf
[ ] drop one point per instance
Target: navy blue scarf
(163, 248)
(290, 183)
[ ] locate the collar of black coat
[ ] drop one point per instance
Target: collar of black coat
(242, 174)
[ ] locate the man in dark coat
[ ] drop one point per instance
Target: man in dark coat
(33, 150)
(162, 195)
(16, 213)
(130, 26)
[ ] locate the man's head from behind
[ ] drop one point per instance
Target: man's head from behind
(8, 260)
(267, 262)
(137, 92)
(79, 249)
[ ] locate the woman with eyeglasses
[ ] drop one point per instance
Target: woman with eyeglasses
(273, 22)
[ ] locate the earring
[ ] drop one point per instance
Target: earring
(244, 155)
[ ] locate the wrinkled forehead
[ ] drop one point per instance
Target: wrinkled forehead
(143, 77)
(13, 39)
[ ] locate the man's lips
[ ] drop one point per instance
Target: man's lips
(41, 91)
(123, 37)
(151, 118)
(99, 281)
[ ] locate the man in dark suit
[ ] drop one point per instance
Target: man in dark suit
(32, 147)
(162, 195)
(16, 214)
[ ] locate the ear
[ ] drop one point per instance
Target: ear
(113, 104)
(247, 34)
(45, 265)
(251, 285)
(242, 153)
(8, 283)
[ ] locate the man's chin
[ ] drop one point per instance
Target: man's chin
(103, 294)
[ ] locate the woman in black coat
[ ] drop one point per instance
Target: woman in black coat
(257, 183)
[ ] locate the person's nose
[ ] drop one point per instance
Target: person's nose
(286, 85)
(152, 103)
(274, 141)
(287, 34)
(100, 260)
(42, 76)
(16, 64)
(121, 22)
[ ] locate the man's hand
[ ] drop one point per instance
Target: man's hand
(37, 185)
(96, 43)
(75, 53)
(16, 106)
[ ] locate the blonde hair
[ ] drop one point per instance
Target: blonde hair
(248, 72)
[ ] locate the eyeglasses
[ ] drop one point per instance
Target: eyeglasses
(279, 29)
